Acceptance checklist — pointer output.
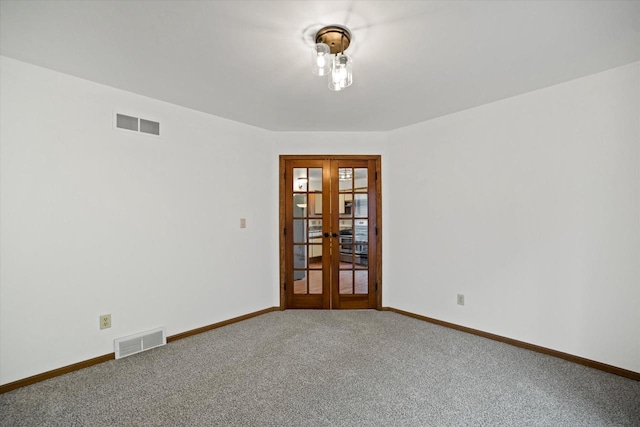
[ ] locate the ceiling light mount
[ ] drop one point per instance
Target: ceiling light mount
(336, 37)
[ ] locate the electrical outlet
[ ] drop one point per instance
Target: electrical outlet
(243, 223)
(105, 321)
(460, 299)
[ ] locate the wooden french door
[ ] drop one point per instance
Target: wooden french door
(330, 233)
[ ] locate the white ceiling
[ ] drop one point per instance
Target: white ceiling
(249, 61)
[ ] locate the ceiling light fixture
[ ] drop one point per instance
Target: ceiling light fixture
(333, 40)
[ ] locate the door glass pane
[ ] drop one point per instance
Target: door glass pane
(299, 256)
(299, 230)
(361, 256)
(315, 238)
(360, 243)
(315, 228)
(315, 253)
(299, 205)
(361, 231)
(346, 227)
(315, 282)
(315, 179)
(300, 282)
(346, 241)
(345, 204)
(346, 282)
(360, 206)
(361, 179)
(361, 282)
(345, 179)
(315, 205)
(300, 179)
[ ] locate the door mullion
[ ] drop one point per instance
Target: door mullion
(335, 236)
(327, 227)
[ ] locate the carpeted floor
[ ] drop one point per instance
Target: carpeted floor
(329, 368)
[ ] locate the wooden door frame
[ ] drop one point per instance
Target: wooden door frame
(378, 189)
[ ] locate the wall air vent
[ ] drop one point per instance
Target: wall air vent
(132, 344)
(126, 122)
(147, 126)
(122, 121)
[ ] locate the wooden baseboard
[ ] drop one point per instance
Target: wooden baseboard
(56, 372)
(566, 356)
(220, 324)
(100, 359)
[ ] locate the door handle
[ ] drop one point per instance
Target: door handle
(334, 235)
(326, 234)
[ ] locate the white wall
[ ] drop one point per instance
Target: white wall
(530, 207)
(96, 220)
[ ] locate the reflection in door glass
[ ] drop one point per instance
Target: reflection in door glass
(361, 256)
(345, 205)
(361, 281)
(346, 226)
(315, 238)
(360, 206)
(315, 281)
(346, 241)
(315, 179)
(360, 241)
(315, 253)
(346, 282)
(345, 179)
(315, 205)
(299, 205)
(299, 230)
(300, 282)
(361, 230)
(300, 179)
(361, 180)
(299, 256)
(315, 228)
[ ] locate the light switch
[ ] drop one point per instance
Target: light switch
(243, 223)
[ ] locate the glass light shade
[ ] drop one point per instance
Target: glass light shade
(321, 59)
(341, 75)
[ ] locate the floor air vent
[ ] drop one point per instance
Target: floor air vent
(126, 346)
